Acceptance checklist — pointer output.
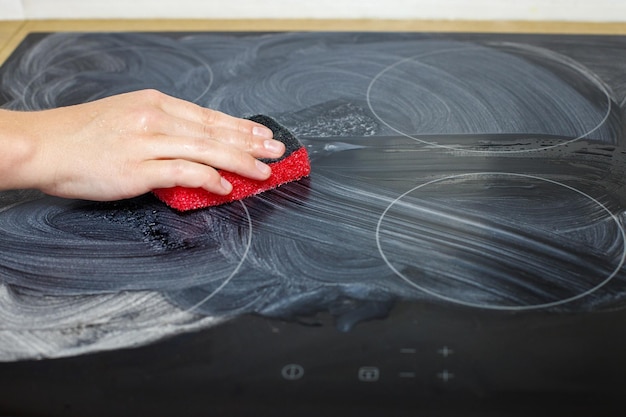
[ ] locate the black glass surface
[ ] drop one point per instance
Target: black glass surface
(458, 248)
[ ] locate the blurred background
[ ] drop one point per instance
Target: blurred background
(525, 10)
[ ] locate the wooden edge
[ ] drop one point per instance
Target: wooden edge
(9, 37)
(322, 25)
(23, 28)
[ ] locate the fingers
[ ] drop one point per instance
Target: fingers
(187, 119)
(203, 116)
(208, 152)
(257, 146)
(179, 172)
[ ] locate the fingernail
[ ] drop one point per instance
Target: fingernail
(227, 186)
(262, 131)
(274, 146)
(263, 168)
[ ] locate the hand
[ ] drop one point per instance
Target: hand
(126, 145)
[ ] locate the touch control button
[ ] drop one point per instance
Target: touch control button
(292, 372)
(445, 351)
(369, 374)
(445, 375)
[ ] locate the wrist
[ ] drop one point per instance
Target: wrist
(17, 150)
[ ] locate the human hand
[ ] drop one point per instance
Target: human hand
(126, 145)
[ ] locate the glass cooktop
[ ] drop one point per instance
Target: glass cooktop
(458, 246)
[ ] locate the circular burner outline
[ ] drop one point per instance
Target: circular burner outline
(499, 307)
(586, 73)
(228, 279)
(204, 64)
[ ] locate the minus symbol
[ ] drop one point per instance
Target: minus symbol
(406, 374)
(408, 350)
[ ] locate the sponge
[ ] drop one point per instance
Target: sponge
(292, 166)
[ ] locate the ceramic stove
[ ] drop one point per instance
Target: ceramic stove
(458, 249)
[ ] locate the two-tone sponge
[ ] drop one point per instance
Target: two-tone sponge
(292, 166)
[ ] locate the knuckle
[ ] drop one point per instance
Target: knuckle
(151, 95)
(244, 126)
(193, 175)
(209, 117)
(177, 169)
(144, 118)
(200, 146)
(244, 161)
(247, 143)
(208, 131)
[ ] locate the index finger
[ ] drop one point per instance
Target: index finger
(208, 117)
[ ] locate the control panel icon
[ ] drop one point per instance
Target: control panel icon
(445, 351)
(369, 374)
(445, 375)
(292, 372)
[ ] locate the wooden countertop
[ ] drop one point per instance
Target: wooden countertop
(12, 32)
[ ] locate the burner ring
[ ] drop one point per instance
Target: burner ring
(422, 104)
(230, 277)
(44, 86)
(66, 247)
(502, 265)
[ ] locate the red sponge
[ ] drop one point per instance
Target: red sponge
(292, 166)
